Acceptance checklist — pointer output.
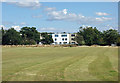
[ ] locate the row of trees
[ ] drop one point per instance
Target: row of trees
(85, 36)
(91, 36)
(26, 36)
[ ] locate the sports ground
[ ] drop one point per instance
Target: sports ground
(59, 63)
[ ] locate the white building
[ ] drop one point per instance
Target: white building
(63, 38)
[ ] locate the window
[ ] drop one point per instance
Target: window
(56, 35)
(55, 39)
(62, 39)
(63, 35)
(73, 42)
(72, 35)
(64, 42)
(60, 43)
(66, 39)
(73, 39)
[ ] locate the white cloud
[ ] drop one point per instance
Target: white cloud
(47, 29)
(109, 27)
(16, 27)
(6, 28)
(50, 29)
(2, 26)
(101, 14)
(50, 9)
(61, 15)
(27, 3)
(65, 11)
(64, 15)
(103, 19)
(85, 26)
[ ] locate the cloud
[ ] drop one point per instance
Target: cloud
(16, 27)
(49, 9)
(64, 15)
(47, 29)
(85, 26)
(61, 15)
(103, 19)
(50, 29)
(27, 3)
(65, 11)
(109, 27)
(8, 23)
(2, 26)
(37, 16)
(101, 14)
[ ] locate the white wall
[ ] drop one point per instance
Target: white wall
(59, 38)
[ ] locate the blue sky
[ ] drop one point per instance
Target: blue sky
(60, 16)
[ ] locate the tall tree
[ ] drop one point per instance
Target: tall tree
(46, 38)
(118, 40)
(30, 34)
(110, 36)
(90, 35)
(11, 37)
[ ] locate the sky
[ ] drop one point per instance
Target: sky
(60, 16)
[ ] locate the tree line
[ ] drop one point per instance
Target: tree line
(85, 36)
(92, 36)
(26, 36)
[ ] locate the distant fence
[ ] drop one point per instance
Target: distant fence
(68, 45)
(39, 45)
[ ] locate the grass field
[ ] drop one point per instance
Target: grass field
(60, 64)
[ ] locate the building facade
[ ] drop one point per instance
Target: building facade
(63, 38)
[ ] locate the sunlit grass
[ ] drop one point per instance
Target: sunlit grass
(60, 64)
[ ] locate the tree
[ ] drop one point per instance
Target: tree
(30, 34)
(28, 42)
(11, 37)
(110, 36)
(1, 31)
(118, 40)
(89, 35)
(79, 39)
(46, 39)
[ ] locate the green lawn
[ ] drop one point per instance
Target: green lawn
(60, 64)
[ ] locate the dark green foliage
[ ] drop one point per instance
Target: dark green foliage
(79, 39)
(28, 42)
(46, 38)
(11, 37)
(30, 34)
(110, 36)
(118, 40)
(85, 36)
(92, 36)
(89, 35)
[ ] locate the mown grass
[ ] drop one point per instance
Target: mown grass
(60, 64)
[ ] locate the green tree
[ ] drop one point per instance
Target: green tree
(30, 34)
(28, 42)
(118, 40)
(110, 36)
(46, 39)
(90, 35)
(79, 39)
(11, 37)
